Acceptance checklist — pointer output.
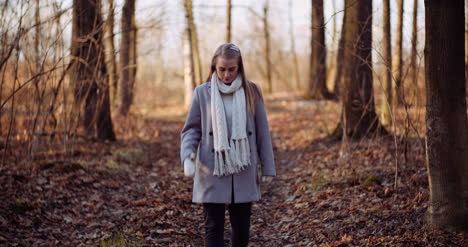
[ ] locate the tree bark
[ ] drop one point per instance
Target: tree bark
(89, 74)
(387, 57)
(126, 51)
(339, 62)
(318, 66)
(414, 46)
(293, 46)
(359, 118)
(228, 23)
(466, 44)
(446, 124)
(194, 42)
(266, 35)
(189, 73)
(398, 91)
(110, 53)
(133, 56)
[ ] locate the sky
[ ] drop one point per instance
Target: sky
(210, 20)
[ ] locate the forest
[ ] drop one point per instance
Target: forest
(366, 104)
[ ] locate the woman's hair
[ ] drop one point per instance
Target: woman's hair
(230, 51)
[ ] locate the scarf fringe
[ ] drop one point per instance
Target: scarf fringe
(232, 160)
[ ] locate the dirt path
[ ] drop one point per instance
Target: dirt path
(133, 193)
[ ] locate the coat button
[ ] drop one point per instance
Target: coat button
(250, 133)
(211, 133)
(212, 150)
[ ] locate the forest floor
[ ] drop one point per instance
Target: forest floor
(133, 193)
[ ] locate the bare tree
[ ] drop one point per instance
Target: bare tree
(188, 6)
(89, 74)
(318, 66)
(466, 43)
(414, 44)
(446, 121)
(398, 92)
(293, 46)
(339, 62)
(228, 22)
(189, 68)
(126, 60)
(266, 35)
(110, 51)
(358, 115)
(387, 57)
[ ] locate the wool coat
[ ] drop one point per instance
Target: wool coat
(197, 138)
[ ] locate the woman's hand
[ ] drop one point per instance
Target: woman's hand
(189, 166)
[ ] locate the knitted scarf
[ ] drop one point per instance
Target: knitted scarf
(231, 156)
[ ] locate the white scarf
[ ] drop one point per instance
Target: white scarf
(231, 156)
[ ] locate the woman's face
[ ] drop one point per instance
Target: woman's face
(227, 69)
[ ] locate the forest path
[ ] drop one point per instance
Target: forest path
(133, 192)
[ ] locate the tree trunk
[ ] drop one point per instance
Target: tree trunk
(466, 44)
(91, 84)
(318, 66)
(293, 46)
(414, 46)
(387, 57)
(359, 118)
(133, 57)
(189, 73)
(339, 62)
(266, 35)
(126, 83)
(194, 42)
(446, 122)
(228, 23)
(110, 53)
(398, 92)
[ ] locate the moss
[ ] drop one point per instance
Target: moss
(72, 167)
(117, 239)
(46, 164)
(370, 180)
(318, 182)
(129, 156)
(21, 205)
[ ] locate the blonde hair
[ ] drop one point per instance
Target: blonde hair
(230, 51)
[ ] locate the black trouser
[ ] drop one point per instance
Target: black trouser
(239, 215)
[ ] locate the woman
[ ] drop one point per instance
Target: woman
(223, 142)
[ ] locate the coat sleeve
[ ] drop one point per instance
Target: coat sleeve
(191, 132)
(264, 144)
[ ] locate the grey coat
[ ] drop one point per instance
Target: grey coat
(197, 137)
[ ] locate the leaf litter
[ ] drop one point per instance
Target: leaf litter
(133, 192)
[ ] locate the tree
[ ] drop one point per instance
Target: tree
(414, 44)
(228, 23)
(318, 66)
(89, 75)
(189, 73)
(339, 62)
(398, 92)
(266, 35)
(127, 54)
(358, 115)
(193, 41)
(466, 45)
(110, 51)
(293, 46)
(446, 123)
(387, 57)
